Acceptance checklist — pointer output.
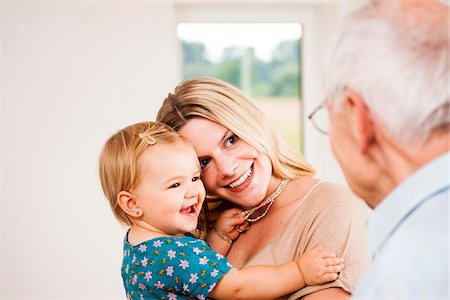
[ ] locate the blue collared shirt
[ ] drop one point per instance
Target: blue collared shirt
(409, 238)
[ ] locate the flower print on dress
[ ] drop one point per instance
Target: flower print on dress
(219, 256)
(144, 262)
(148, 275)
(158, 243)
(184, 264)
(203, 261)
(169, 271)
(211, 287)
(159, 285)
(142, 286)
(214, 273)
(171, 254)
(142, 248)
(171, 296)
(194, 278)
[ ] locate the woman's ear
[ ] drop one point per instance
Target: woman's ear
(128, 204)
(365, 130)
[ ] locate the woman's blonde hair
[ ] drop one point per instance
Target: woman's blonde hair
(119, 160)
(226, 105)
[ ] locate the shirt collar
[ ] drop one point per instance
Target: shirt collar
(431, 177)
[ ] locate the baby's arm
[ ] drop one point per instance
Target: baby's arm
(268, 282)
(224, 232)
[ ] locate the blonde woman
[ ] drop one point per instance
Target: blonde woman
(245, 164)
(151, 177)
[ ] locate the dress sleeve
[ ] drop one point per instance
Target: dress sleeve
(199, 268)
(336, 219)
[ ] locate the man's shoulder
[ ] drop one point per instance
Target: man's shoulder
(419, 245)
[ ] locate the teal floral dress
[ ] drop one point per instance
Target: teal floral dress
(171, 268)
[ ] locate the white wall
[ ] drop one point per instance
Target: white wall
(328, 16)
(1, 152)
(73, 73)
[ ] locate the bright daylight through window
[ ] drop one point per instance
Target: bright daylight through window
(262, 59)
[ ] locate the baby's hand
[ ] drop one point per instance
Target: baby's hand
(320, 265)
(228, 221)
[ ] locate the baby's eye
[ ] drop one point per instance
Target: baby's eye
(195, 178)
(204, 162)
(231, 140)
(175, 185)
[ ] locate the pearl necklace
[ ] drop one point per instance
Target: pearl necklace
(268, 201)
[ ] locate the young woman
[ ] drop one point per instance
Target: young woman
(151, 177)
(245, 163)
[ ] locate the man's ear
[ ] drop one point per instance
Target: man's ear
(128, 204)
(365, 130)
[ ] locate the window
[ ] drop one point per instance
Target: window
(262, 59)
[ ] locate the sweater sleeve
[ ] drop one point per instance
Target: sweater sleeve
(332, 217)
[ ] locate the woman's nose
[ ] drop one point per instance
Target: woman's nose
(227, 165)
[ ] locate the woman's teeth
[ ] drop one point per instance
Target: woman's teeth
(241, 179)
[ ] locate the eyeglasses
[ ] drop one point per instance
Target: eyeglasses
(319, 118)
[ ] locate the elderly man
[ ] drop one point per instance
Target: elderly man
(387, 87)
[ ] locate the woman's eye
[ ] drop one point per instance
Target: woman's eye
(175, 185)
(204, 162)
(231, 140)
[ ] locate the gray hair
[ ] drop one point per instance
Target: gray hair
(395, 55)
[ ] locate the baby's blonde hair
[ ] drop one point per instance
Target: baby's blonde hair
(119, 160)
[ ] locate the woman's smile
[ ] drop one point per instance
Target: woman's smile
(242, 182)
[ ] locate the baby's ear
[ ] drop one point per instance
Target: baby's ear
(128, 204)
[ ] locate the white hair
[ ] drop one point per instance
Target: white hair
(395, 55)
